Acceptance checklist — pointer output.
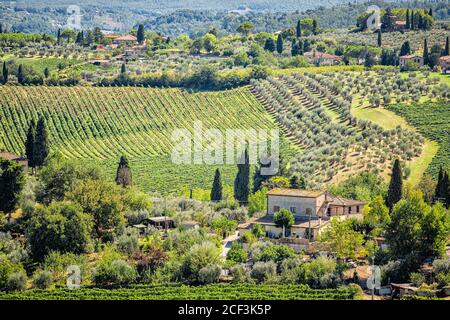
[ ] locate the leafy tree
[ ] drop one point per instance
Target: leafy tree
(62, 227)
(216, 191)
(42, 279)
(275, 253)
(284, 218)
(295, 50)
(237, 253)
(123, 174)
(435, 231)
(395, 186)
(258, 178)
(245, 28)
(12, 181)
(405, 49)
(210, 42)
(377, 213)
(199, 256)
(41, 146)
(115, 272)
(280, 44)
(80, 38)
(223, 226)
(103, 201)
(257, 201)
(343, 240)
(241, 182)
(258, 231)
(299, 29)
(141, 33)
(297, 182)
(30, 142)
(262, 271)
(269, 45)
(209, 274)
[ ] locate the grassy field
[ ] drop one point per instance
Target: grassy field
(177, 292)
(100, 124)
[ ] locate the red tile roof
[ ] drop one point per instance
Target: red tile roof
(295, 193)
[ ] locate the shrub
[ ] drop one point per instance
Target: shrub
(42, 279)
(116, 272)
(209, 274)
(6, 269)
(200, 256)
(263, 270)
(17, 281)
(241, 274)
(128, 243)
(237, 253)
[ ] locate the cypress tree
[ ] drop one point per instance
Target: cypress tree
(216, 190)
(426, 59)
(241, 183)
(123, 174)
(299, 29)
(5, 74)
(405, 49)
(280, 44)
(46, 72)
(379, 37)
(395, 186)
(295, 50)
(123, 68)
(41, 145)
(20, 75)
(447, 49)
(439, 189)
(430, 12)
(314, 26)
(446, 187)
(58, 37)
(258, 178)
(141, 34)
(29, 143)
(80, 38)
(408, 22)
(1, 28)
(412, 20)
(269, 45)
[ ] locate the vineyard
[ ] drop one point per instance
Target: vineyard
(433, 121)
(177, 292)
(100, 124)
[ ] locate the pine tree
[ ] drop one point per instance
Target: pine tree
(379, 37)
(280, 44)
(426, 59)
(29, 143)
(447, 49)
(141, 34)
(5, 74)
(408, 21)
(241, 183)
(216, 190)
(395, 186)
(299, 29)
(123, 174)
(20, 75)
(41, 144)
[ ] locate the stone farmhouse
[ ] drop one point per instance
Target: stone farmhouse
(444, 62)
(322, 58)
(411, 57)
(312, 212)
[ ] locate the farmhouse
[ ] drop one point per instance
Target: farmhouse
(322, 58)
(17, 159)
(312, 211)
(444, 62)
(411, 57)
(126, 39)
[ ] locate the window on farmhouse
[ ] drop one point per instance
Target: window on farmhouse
(357, 209)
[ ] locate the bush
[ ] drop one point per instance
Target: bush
(263, 270)
(128, 243)
(6, 269)
(17, 281)
(42, 279)
(116, 272)
(241, 274)
(417, 279)
(200, 256)
(209, 274)
(237, 253)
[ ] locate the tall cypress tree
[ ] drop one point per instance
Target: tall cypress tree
(20, 75)
(241, 182)
(430, 12)
(29, 143)
(141, 33)
(447, 49)
(408, 22)
(446, 187)
(379, 37)
(123, 68)
(41, 145)
(216, 190)
(412, 20)
(395, 186)
(314, 26)
(426, 59)
(58, 37)
(123, 174)
(438, 190)
(5, 74)
(280, 44)
(405, 49)
(299, 29)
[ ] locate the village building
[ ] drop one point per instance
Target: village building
(322, 58)
(444, 62)
(15, 158)
(312, 212)
(125, 40)
(411, 57)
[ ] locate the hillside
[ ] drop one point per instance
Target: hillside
(100, 124)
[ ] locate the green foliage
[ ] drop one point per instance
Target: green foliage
(216, 190)
(343, 240)
(57, 263)
(263, 271)
(62, 226)
(209, 274)
(363, 186)
(275, 253)
(7, 269)
(257, 202)
(114, 273)
(12, 182)
(223, 226)
(200, 256)
(283, 218)
(41, 146)
(141, 33)
(376, 213)
(17, 281)
(395, 185)
(237, 253)
(123, 174)
(241, 183)
(42, 279)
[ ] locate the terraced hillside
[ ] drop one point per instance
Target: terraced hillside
(100, 124)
